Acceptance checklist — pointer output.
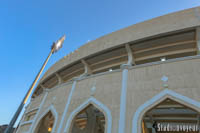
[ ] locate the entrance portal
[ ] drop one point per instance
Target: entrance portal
(170, 117)
(46, 124)
(89, 120)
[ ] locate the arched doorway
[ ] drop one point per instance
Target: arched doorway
(46, 124)
(88, 120)
(170, 116)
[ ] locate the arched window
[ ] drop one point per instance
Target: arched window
(88, 120)
(93, 110)
(46, 124)
(138, 123)
(170, 116)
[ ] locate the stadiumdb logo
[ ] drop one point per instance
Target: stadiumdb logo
(175, 127)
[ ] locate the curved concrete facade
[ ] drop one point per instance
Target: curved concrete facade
(133, 81)
(164, 24)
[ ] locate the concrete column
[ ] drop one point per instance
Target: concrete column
(198, 123)
(152, 122)
(91, 121)
(76, 129)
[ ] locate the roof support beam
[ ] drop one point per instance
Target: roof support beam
(198, 39)
(60, 80)
(131, 60)
(42, 86)
(87, 68)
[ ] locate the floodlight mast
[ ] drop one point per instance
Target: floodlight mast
(54, 48)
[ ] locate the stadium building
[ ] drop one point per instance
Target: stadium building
(141, 79)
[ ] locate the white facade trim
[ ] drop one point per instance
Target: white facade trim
(98, 105)
(29, 111)
(158, 98)
(66, 107)
(26, 122)
(23, 117)
(122, 116)
(55, 114)
(39, 109)
(132, 67)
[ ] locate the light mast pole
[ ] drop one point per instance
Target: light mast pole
(54, 48)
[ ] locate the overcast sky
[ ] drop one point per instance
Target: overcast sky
(28, 28)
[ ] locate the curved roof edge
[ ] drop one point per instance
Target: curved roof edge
(171, 22)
